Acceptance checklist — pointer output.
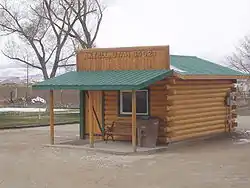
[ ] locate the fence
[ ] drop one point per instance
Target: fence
(16, 96)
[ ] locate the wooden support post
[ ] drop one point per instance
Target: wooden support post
(51, 111)
(90, 121)
(82, 115)
(134, 120)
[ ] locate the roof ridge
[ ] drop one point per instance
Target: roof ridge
(182, 55)
(212, 62)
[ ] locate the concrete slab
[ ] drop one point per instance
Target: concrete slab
(114, 148)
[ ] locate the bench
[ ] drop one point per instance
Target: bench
(117, 128)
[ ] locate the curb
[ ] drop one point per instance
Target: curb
(34, 126)
(108, 151)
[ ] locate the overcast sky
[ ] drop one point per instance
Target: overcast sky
(204, 28)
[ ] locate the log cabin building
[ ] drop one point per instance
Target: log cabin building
(191, 96)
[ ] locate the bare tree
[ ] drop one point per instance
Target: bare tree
(44, 33)
(240, 59)
(87, 28)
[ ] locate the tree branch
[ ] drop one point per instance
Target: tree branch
(21, 60)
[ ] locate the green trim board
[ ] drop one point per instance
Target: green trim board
(82, 115)
(104, 80)
(103, 110)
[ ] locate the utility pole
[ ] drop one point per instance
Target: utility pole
(27, 81)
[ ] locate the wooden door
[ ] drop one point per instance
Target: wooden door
(97, 101)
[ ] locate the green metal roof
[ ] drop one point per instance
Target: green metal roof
(104, 80)
(136, 79)
(191, 65)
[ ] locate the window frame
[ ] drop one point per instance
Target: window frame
(120, 102)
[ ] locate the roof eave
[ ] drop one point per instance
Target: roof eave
(87, 88)
(103, 87)
(211, 77)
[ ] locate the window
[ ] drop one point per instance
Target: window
(141, 102)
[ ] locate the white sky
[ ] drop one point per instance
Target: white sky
(204, 28)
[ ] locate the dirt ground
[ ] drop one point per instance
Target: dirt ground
(219, 162)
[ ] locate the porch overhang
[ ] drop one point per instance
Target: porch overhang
(104, 80)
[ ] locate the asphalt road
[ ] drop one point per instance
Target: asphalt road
(25, 163)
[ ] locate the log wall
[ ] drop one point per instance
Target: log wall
(196, 108)
(157, 106)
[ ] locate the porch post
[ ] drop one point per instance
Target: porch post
(82, 115)
(90, 121)
(51, 111)
(134, 120)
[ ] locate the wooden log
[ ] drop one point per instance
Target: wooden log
(163, 140)
(163, 129)
(196, 110)
(160, 133)
(110, 94)
(234, 115)
(196, 125)
(205, 86)
(199, 82)
(195, 120)
(158, 84)
(235, 124)
(158, 108)
(171, 92)
(199, 129)
(156, 94)
(197, 134)
(106, 104)
(199, 105)
(113, 117)
(182, 117)
(168, 119)
(194, 101)
(159, 104)
(157, 100)
(111, 108)
(110, 121)
(171, 81)
(111, 98)
(199, 91)
(160, 115)
(196, 96)
(234, 107)
(161, 82)
(233, 89)
(111, 113)
(157, 87)
(160, 111)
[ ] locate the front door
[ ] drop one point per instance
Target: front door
(97, 117)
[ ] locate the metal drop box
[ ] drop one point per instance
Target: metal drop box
(147, 132)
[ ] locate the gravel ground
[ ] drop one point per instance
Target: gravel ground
(25, 163)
